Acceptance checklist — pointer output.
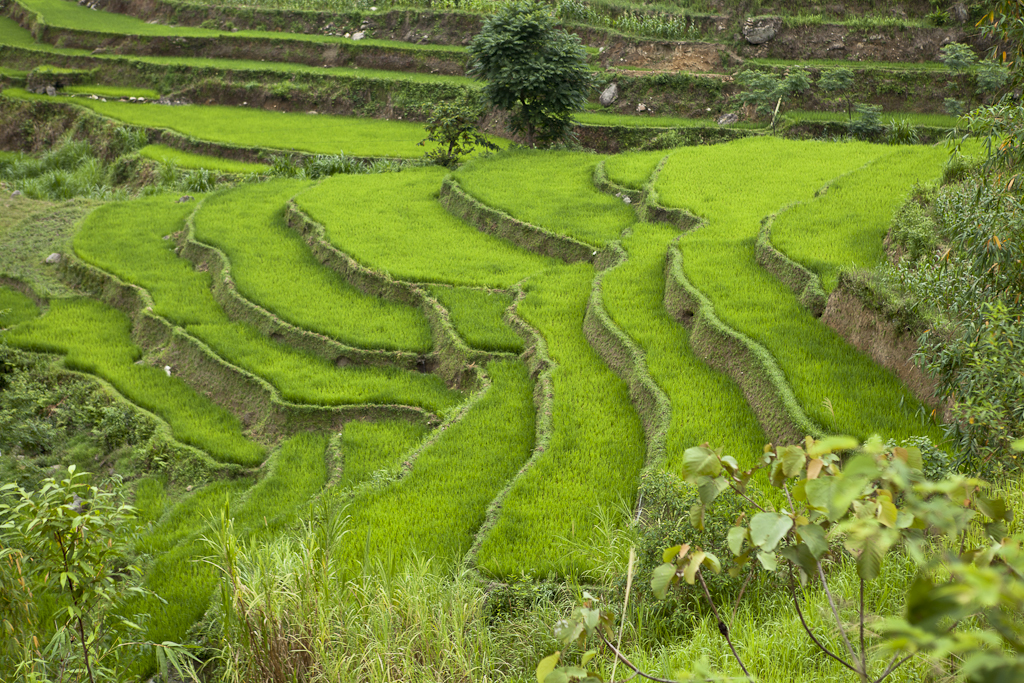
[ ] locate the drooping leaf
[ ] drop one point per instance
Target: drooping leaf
(735, 538)
(700, 461)
(709, 488)
(587, 656)
(768, 528)
(872, 552)
(887, 512)
(801, 556)
(547, 665)
(690, 573)
(670, 553)
(712, 562)
(697, 516)
(793, 459)
(831, 444)
(994, 508)
(661, 579)
(814, 536)
(768, 561)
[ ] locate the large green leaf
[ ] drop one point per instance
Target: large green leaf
(735, 539)
(661, 579)
(793, 460)
(768, 528)
(700, 461)
(708, 489)
(814, 536)
(547, 665)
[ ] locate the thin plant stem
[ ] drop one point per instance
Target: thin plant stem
(863, 651)
(839, 621)
(744, 496)
(722, 627)
(625, 605)
(629, 664)
(743, 588)
(893, 665)
(799, 612)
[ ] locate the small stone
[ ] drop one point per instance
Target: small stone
(188, 489)
(53, 259)
(51, 91)
(167, 369)
(312, 111)
(185, 198)
(627, 200)
(373, 9)
(760, 31)
(347, 35)
(16, 193)
(358, 35)
(726, 119)
(610, 94)
(641, 107)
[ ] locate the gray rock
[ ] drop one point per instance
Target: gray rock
(610, 94)
(358, 35)
(53, 259)
(51, 91)
(760, 31)
(726, 119)
(16, 193)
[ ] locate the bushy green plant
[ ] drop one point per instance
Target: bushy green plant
(766, 91)
(454, 128)
(838, 83)
(868, 124)
(534, 71)
(913, 230)
(901, 132)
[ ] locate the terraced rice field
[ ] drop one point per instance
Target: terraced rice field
(465, 397)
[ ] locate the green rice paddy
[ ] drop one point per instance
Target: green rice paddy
(477, 315)
(110, 91)
(915, 119)
(180, 159)
(15, 307)
(127, 239)
(393, 223)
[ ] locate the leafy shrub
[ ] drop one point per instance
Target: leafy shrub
(868, 125)
(198, 180)
(667, 140)
(913, 230)
(324, 165)
(901, 132)
(957, 169)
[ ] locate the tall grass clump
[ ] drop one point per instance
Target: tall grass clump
(394, 223)
(96, 339)
(838, 387)
(268, 260)
(70, 169)
(127, 240)
(478, 317)
(295, 473)
(596, 449)
(436, 508)
(552, 190)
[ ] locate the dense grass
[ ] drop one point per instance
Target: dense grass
(478, 317)
(838, 387)
(436, 509)
(296, 471)
(376, 449)
(245, 127)
(15, 307)
(846, 64)
(393, 223)
(596, 450)
(126, 239)
(596, 118)
(936, 120)
(543, 188)
(273, 267)
(14, 35)
(633, 170)
(96, 338)
(170, 155)
(67, 14)
(845, 227)
(110, 91)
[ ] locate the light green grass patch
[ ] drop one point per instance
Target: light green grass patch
(633, 170)
(392, 222)
(67, 14)
(838, 387)
(127, 240)
(15, 307)
(110, 91)
(170, 155)
(552, 190)
(631, 121)
(595, 453)
(478, 317)
(272, 266)
(245, 127)
(844, 228)
(372, 449)
(436, 509)
(96, 339)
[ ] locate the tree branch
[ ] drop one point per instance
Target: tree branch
(722, 627)
(893, 665)
(621, 657)
(839, 621)
(796, 603)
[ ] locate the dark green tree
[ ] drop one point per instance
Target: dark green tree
(534, 71)
(838, 83)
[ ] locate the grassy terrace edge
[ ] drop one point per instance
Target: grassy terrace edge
(258, 404)
(452, 355)
(498, 223)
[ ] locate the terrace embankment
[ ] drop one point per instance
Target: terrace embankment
(293, 50)
(858, 314)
